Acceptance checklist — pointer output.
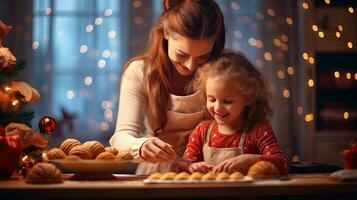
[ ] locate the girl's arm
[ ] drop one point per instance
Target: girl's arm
(193, 152)
(270, 150)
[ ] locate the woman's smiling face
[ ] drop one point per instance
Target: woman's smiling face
(187, 54)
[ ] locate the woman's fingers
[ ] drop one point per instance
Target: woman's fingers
(155, 150)
(150, 156)
(167, 148)
(160, 153)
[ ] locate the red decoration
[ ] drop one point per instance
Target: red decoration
(27, 165)
(349, 158)
(47, 125)
(66, 120)
(10, 152)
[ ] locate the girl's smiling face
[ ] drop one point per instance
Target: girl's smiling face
(224, 102)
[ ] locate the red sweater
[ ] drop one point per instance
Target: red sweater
(259, 140)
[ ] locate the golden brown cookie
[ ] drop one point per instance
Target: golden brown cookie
(44, 173)
(263, 169)
(222, 176)
(112, 150)
(155, 176)
(72, 158)
(68, 144)
(55, 153)
(168, 176)
(195, 176)
(95, 147)
(236, 176)
(209, 176)
(105, 156)
(81, 151)
(124, 155)
(182, 176)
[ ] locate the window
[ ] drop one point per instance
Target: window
(79, 49)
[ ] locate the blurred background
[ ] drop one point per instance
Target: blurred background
(306, 49)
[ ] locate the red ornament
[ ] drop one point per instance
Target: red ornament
(10, 152)
(47, 125)
(27, 165)
(349, 158)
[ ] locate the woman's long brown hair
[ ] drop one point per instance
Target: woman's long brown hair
(194, 19)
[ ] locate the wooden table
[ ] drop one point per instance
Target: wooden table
(312, 186)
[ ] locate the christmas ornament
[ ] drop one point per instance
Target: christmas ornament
(349, 158)
(47, 125)
(10, 152)
(27, 162)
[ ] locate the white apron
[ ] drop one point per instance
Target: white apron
(214, 156)
(183, 115)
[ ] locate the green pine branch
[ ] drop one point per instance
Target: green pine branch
(7, 74)
(17, 116)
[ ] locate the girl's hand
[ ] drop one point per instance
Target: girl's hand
(156, 151)
(200, 167)
(239, 163)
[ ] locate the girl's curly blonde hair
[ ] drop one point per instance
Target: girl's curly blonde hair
(237, 69)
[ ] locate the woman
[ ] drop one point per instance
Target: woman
(156, 115)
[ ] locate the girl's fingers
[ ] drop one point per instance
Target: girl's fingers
(216, 169)
(226, 167)
(206, 167)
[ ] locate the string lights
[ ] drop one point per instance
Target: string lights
(279, 42)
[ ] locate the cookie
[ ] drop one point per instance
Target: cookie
(55, 153)
(68, 144)
(95, 147)
(112, 150)
(263, 169)
(44, 173)
(105, 156)
(81, 151)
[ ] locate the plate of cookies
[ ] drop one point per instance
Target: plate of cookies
(258, 171)
(74, 157)
(197, 177)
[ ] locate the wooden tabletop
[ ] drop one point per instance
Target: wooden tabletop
(131, 186)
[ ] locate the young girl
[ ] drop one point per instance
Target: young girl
(240, 134)
(156, 115)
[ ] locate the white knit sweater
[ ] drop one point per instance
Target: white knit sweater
(135, 123)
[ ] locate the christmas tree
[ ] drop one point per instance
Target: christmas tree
(21, 147)
(14, 95)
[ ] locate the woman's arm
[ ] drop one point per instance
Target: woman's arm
(132, 107)
(132, 103)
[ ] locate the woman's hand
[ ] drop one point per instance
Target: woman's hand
(239, 163)
(200, 167)
(156, 151)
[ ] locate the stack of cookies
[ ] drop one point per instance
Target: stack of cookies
(72, 149)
